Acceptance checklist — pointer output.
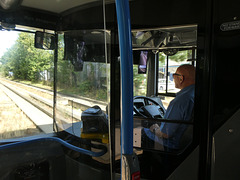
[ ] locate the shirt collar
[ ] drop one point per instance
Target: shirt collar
(185, 89)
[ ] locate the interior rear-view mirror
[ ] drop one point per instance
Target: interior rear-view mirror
(44, 40)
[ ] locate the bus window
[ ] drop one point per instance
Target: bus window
(167, 67)
(22, 66)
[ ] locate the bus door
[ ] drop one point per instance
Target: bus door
(223, 124)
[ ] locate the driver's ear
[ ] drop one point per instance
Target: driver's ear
(181, 79)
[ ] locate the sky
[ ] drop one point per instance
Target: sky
(7, 39)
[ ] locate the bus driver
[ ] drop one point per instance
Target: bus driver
(180, 108)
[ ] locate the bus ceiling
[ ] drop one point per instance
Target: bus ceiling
(50, 14)
(46, 16)
(45, 5)
(47, 13)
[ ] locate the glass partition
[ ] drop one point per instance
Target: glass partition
(176, 136)
(83, 83)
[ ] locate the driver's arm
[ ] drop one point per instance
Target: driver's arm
(174, 111)
(156, 130)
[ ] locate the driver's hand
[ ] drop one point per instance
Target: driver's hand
(154, 127)
(156, 130)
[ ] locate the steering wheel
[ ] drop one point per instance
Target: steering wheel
(154, 110)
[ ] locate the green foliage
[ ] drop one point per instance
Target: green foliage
(24, 60)
(180, 56)
(85, 87)
(162, 58)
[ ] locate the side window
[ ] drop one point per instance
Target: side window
(167, 67)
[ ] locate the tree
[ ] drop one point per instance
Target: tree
(25, 61)
(180, 56)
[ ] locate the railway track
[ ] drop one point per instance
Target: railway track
(46, 95)
(37, 104)
(14, 122)
(37, 116)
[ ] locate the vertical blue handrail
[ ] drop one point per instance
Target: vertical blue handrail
(125, 43)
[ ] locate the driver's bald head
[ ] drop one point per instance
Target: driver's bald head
(188, 71)
(187, 77)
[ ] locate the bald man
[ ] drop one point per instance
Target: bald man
(180, 108)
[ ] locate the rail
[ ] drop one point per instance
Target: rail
(73, 101)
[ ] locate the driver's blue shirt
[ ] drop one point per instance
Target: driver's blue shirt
(180, 108)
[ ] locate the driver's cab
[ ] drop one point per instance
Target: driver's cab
(157, 53)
